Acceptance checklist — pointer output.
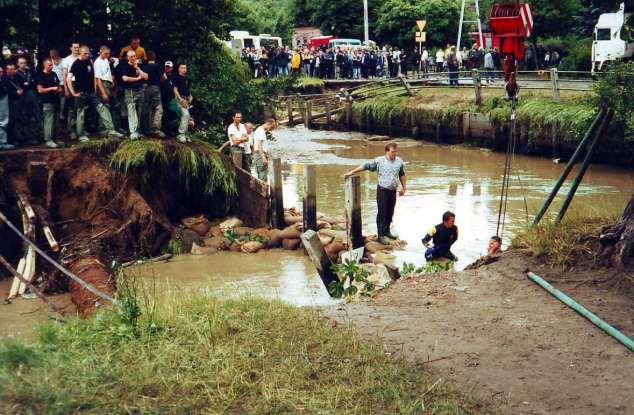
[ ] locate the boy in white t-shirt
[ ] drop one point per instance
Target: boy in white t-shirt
(261, 148)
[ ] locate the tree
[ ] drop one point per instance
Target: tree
(396, 22)
(618, 240)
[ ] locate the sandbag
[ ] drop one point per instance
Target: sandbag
(242, 230)
(382, 258)
(323, 225)
(275, 238)
(325, 239)
(219, 243)
(215, 231)
(236, 246)
(262, 233)
(333, 249)
(291, 232)
(252, 247)
(198, 224)
(291, 244)
(202, 250)
(291, 220)
(230, 223)
(374, 247)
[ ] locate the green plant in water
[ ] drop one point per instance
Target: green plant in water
(348, 273)
(410, 269)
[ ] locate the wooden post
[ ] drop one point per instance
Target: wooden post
(289, 104)
(318, 256)
(475, 75)
(554, 77)
(277, 198)
(310, 198)
(328, 114)
(349, 112)
(308, 114)
(353, 210)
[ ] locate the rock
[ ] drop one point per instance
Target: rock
(290, 244)
(252, 247)
(330, 220)
(291, 220)
(186, 238)
(382, 258)
(379, 138)
(202, 250)
(236, 246)
(323, 225)
(230, 223)
(378, 274)
(325, 239)
(215, 231)
(291, 232)
(219, 243)
(374, 247)
(341, 226)
(198, 224)
(275, 238)
(242, 230)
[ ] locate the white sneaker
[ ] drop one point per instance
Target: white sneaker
(114, 134)
(84, 139)
(51, 144)
(181, 139)
(134, 136)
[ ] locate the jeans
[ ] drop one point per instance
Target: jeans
(134, 104)
(385, 201)
(90, 99)
(262, 172)
(152, 109)
(4, 119)
(71, 119)
(283, 70)
(51, 113)
(184, 123)
(113, 105)
(30, 106)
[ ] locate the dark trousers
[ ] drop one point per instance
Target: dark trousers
(385, 201)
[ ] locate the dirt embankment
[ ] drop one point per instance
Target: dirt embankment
(96, 214)
(496, 333)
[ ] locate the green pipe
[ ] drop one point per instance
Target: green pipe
(584, 166)
(569, 166)
(622, 338)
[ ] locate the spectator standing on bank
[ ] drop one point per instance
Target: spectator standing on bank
(135, 45)
(4, 112)
(184, 98)
(15, 93)
(68, 104)
(167, 84)
(424, 60)
(81, 83)
(29, 106)
(489, 66)
(440, 60)
(237, 133)
(49, 90)
(59, 71)
(453, 65)
(133, 79)
(261, 148)
(106, 85)
(153, 109)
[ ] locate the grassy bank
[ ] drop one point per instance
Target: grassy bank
(564, 244)
(204, 355)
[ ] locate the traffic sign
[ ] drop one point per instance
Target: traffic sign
(420, 36)
(421, 24)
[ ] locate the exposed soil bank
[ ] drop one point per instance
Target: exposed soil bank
(97, 214)
(495, 332)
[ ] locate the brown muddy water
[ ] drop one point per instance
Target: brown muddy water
(464, 180)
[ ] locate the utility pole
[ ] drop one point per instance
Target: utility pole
(366, 28)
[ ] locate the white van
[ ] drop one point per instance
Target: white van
(241, 39)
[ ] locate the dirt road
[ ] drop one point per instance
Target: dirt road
(497, 334)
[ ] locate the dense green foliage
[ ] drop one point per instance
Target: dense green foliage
(616, 90)
(266, 16)
(205, 355)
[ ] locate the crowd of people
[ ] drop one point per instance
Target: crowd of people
(132, 94)
(365, 62)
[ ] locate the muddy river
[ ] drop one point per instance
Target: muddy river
(464, 180)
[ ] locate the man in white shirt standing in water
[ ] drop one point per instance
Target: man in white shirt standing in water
(261, 148)
(390, 172)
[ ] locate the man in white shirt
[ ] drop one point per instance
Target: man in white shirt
(106, 88)
(261, 148)
(239, 140)
(69, 102)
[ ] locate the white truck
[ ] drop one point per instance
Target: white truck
(613, 39)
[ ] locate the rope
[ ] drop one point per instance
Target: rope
(65, 271)
(510, 151)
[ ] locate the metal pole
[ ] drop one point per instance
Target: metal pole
(584, 166)
(366, 28)
(460, 25)
(477, 7)
(594, 319)
(569, 166)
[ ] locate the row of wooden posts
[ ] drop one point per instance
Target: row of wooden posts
(307, 115)
(309, 208)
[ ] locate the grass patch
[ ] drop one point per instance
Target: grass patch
(200, 354)
(308, 85)
(138, 156)
(563, 244)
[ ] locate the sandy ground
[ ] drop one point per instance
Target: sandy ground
(500, 336)
(20, 318)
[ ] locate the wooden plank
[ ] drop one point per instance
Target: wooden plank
(310, 198)
(15, 285)
(407, 86)
(308, 114)
(475, 75)
(353, 210)
(277, 198)
(318, 256)
(289, 109)
(328, 114)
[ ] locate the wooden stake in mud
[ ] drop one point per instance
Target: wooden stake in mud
(318, 256)
(475, 75)
(277, 199)
(328, 114)
(554, 76)
(348, 110)
(353, 210)
(289, 104)
(310, 199)
(308, 115)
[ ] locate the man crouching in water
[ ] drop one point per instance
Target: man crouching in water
(443, 235)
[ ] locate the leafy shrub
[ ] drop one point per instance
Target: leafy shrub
(615, 89)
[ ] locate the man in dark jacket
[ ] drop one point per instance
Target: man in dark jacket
(4, 112)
